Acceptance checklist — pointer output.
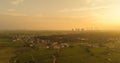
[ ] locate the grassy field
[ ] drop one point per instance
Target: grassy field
(107, 52)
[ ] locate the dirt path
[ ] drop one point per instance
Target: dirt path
(54, 59)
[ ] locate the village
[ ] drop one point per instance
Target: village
(63, 41)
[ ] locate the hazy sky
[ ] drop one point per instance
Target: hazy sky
(59, 14)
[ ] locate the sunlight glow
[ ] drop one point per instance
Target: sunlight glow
(111, 16)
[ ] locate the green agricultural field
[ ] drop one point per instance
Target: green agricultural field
(84, 47)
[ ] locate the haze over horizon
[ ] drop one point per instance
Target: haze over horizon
(59, 14)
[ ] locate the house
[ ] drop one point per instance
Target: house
(64, 45)
(56, 47)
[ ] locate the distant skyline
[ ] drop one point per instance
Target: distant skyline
(59, 14)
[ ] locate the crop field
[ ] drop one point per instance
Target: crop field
(59, 47)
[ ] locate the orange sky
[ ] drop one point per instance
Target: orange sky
(59, 14)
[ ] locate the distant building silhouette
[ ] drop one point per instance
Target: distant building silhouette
(73, 29)
(78, 29)
(82, 29)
